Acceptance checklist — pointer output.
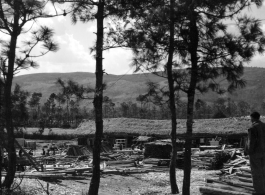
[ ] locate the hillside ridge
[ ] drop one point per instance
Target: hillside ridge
(124, 88)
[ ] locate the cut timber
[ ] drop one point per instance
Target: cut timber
(246, 169)
(210, 190)
(244, 179)
(236, 162)
(232, 183)
(244, 175)
(227, 169)
(228, 187)
(209, 147)
(120, 162)
(231, 170)
(37, 175)
(34, 163)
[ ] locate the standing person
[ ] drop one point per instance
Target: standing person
(120, 146)
(20, 153)
(256, 151)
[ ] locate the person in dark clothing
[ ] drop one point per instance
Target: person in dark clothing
(256, 151)
(43, 151)
(20, 153)
(120, 146)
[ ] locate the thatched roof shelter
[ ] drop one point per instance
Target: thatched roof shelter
(162, 128)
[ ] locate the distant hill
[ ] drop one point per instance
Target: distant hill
(127, 87)
(119, 88)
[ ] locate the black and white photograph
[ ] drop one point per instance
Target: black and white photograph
(132, 97)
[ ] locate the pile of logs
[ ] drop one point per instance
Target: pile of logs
(62, 166)
(236, 178)
(211, 159)
(235, 165)
(239, 183)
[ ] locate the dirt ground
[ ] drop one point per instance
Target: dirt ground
(140, 184)
(153, 183)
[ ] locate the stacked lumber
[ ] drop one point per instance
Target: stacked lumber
(239, 184)
(203, 159)
(236, 178)
(235, 165)
(210, 159)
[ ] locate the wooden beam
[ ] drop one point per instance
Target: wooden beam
(228, 187)
(244, 179)
(216, 191)
(247, 175)
(245, 169)
(232, 183)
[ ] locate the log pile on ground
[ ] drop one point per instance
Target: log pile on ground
(75, 162)
(235, 178)
(211, 159)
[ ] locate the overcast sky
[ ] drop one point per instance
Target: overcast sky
(75, 41)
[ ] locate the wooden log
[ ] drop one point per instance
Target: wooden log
(237, 162)
(79, 169)
(216, 191)
(244, 179)
(120, 162)
(227, 169)
(247, 175)
(228, 187)
(230, 170)
(38, 175)
(246, 169)
(234, 161)
(233, 183)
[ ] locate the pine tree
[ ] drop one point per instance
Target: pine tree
(99, 10)
(14, 15)
(204, 49)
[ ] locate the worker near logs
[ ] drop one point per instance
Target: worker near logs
(256, 151)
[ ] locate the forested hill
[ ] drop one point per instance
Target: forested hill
(124, 88)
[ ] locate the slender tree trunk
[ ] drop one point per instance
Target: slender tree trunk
(1, 157)
(67, 109)
(8, 103)
(1, 128)
(98, 99)
(172, 171)
(193, 34)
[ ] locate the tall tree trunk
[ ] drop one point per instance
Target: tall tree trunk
(8, 103)
(172, 171)
(98, 99)
(1, 128)
(193, 45)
